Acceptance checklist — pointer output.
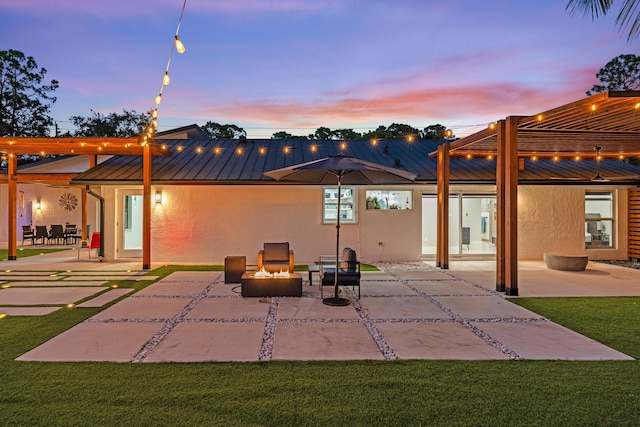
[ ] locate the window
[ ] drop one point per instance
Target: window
(348, 203)
(383, 199)
(599, 220)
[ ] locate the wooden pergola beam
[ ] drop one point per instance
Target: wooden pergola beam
(12, 147)
(77, 146)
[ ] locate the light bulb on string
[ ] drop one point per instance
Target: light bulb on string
(158, 99)
(154, 113)
(179, 45)
(166, 80)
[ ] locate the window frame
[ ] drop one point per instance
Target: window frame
(352, 201)
(607, 238)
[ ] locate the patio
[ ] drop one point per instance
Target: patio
(410, 311)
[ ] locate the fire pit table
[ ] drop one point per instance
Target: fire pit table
(252, 286)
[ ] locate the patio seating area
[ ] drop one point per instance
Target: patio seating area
(55, 234)
(406, 311)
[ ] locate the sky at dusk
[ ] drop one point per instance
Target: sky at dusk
(296, 65)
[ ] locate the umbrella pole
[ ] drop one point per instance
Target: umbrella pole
(337, 301)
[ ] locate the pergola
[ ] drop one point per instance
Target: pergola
(609, 120)
(15, 146)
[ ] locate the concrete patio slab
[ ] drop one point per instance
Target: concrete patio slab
(546, 340)
(45, 296)
(401, 308)
(448, 287)
(423, 275)
(11, 273)
(191, 289)
(225, 290)
(230, 308)
(28, 311)
(32, 277)
(485, 307)
(192, 276)
(385, 288)
(101, 273)
(324, 341)
(210, 342)
(144, 308)
(375, 276)
(106, 297)
(99, 277)
(95, 342)
(313, 308)
(58, 283)
(437, 341)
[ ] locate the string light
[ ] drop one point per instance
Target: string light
(178, 46)
(262, 150)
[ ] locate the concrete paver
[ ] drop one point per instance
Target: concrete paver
(28, 311)
(210, 342)
(46, 296)
(95, 342)
(547, 340)
(414, 307)
(437, 341)
(144, 308)
(39, 283)
(324, 341)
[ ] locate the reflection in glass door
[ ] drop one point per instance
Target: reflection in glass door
(472, 224)
(130, 225)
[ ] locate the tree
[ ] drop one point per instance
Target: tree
(126, 125)
(25, 97)
(216, 130)
(287, 135)
(394, 131)
(345, 134)
(628, 16)
(621, 73)
(434, 132)
(322, 133)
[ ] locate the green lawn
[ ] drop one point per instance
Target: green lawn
(25, 252)
(403, 393)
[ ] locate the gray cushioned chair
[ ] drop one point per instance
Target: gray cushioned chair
(276, 257)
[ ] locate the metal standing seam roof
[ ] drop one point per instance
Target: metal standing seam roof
(233, 161)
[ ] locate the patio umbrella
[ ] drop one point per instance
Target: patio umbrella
(341, 169)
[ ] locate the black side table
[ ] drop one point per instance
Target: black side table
(234, 268)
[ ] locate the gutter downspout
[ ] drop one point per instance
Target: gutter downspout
(101, 200)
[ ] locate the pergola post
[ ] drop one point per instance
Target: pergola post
(12, 184)
(442, 245)
(511, 206)
(146, 207)
(500, 205)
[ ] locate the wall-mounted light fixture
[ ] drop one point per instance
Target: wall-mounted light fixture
(38, 205)
(158, 197)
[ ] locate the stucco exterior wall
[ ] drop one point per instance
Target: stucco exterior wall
(551, 219)
(207, 223)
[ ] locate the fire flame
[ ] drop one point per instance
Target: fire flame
(264, 273)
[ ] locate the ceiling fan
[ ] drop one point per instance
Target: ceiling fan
(598, 176)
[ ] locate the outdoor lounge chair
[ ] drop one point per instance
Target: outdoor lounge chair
(28, 233)
(276, 257)
(348, 270)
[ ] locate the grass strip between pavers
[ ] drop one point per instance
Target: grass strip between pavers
(353, 393)
(26, 252)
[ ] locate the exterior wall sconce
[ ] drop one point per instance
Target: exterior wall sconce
(158, 197)
(38, 205)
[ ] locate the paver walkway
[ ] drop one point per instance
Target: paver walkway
(403, 314)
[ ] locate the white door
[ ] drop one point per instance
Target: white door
(130, 224)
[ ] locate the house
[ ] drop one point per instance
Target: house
(210, 199)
